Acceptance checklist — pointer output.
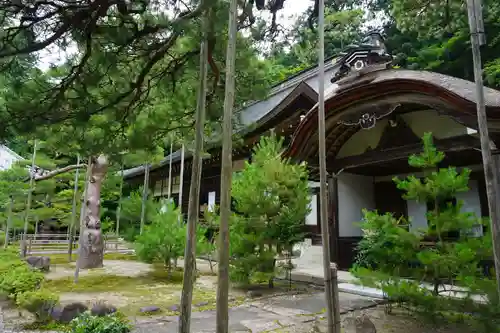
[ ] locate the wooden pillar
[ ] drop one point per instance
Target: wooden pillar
(333, 217)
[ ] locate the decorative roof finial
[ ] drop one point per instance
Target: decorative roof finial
(360, 59)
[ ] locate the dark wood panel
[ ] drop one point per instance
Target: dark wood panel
(347, 251)
(390, 199)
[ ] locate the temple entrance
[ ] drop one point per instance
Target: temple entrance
(371, 130)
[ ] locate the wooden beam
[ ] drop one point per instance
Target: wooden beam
(460, 143)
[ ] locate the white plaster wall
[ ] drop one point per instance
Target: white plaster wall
(471, 203)
(211, 201)
(416, 213)
(420, 122)
(355, 193)
(312, 217)
(7, 158)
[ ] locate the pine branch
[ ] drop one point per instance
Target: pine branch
(60, 171)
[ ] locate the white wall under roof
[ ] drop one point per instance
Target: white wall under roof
(7, 157)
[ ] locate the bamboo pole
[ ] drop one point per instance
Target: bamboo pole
(144, 196)
(181, 182)
(9, 222)
(28, 203)
(73, 212)
(332, 309)
(169, 190)
(119, 208)
(194, 190)
(490, 172)
(222, 319)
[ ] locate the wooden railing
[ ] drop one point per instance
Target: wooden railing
(40, 244)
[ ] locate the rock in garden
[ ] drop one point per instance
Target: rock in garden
(174, 308)
(254, 294)
(41, 263)
(201, 304)
(69, 312)
(102, 309)
(360, 324)
(149, 309)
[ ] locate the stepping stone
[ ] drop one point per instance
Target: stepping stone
(149, 309)
(174, 308)
(201, 304)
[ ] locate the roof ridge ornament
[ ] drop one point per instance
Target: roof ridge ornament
(356, 60)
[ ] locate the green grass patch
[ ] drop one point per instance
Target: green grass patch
(57, 259)
(156, 288)
(96, 281)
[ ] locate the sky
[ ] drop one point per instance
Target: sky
(286, 17)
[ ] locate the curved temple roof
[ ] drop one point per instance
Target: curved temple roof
(378, 91)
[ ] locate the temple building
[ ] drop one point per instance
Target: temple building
(375, 118)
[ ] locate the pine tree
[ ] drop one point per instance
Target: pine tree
(271, 197)
(391, 254)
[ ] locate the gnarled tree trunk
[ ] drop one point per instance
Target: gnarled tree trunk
(92, 244)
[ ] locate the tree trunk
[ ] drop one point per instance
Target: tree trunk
(194, 192)
(222, 321)
(91, 242)
(83, 209)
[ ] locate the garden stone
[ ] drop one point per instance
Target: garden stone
(102, 309)
(201, 304)
(69, 312)
(149, 309)
(41, 263)
(174, 308)
(254, 294)
(360, 324)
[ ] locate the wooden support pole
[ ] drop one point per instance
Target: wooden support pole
(169, 189)
(335, 297)
(28, 203)
(9, 222)
(119, 208)
(72, 225)
(145, 192)
(490, 175)
(325, 235)
(181, 182)
(222, 317)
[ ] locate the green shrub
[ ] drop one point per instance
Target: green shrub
(16, 277)
(86, 323)
(164, 239)
(20, 279)
(39, 302)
